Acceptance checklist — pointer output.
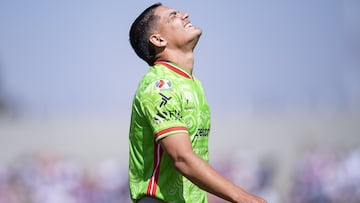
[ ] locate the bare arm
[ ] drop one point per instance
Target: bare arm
(202, 174)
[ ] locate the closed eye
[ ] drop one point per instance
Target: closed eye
(174, 14)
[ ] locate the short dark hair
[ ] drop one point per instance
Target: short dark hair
(140, 32)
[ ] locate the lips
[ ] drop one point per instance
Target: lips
(187, 25)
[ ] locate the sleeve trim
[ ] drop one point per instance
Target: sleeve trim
(169, 131)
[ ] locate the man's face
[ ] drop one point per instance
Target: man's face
(176, 28)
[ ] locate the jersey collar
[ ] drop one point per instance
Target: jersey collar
(175, 68)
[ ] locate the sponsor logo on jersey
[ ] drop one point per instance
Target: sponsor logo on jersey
(202, 132)
(189, 101)
(163, 85)
(167, 116)
(164, 99)
(189, 105)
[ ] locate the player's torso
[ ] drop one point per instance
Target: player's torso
(173, 98)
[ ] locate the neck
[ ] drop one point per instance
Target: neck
(183, 59)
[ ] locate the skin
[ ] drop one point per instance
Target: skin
(175, 40)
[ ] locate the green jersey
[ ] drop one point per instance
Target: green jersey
(168, 101)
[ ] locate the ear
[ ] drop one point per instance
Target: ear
(157, 40)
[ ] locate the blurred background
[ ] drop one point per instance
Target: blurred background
(282, 79)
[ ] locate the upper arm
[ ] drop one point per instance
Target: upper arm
(162, 107)
(177, 146)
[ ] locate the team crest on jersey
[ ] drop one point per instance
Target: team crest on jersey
(163, 85)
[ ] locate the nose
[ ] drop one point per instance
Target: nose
(184, 15)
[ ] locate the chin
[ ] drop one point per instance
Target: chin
(197, 32)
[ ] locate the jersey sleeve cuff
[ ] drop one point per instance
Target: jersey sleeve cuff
(170, 131)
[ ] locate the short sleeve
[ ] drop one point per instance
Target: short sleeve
(162, 106)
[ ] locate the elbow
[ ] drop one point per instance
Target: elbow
(183, 163)
(179, 164)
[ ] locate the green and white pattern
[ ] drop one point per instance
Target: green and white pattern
(168, 101)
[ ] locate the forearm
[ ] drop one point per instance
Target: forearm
(204, 176)
(179, 148)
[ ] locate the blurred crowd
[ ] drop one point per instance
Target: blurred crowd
(251, 173)
(327, 176)
(47, 178)
(320, 176)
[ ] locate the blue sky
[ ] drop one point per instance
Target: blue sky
(74, 57)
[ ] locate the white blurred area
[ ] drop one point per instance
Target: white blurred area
(285, 158)
(288, 146)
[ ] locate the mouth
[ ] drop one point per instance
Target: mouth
(188, 25)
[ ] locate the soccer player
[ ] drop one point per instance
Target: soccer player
(170, 120)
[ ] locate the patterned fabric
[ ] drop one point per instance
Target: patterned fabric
(168, 101)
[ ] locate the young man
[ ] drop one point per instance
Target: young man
(170, 119)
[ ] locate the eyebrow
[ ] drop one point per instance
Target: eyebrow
(173, 13)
